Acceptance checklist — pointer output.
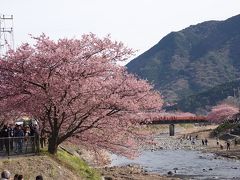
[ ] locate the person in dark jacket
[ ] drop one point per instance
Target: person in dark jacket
(228, 145)
(5, 135)
(19, 134)
(11, 131)
(1, 140)
(206, 141)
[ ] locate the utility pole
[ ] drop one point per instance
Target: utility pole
(6, 34)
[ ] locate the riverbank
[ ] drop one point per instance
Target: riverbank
(52, 167)
(133, 172)
(166, 143)
(136, 172)
(214, 147)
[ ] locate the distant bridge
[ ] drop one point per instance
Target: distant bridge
(179, 120)
(172, 120)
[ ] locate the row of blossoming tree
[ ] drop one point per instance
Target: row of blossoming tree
(78, 93)
(222, 113)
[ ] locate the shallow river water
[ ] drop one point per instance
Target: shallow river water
(193, 164)
(189, 163)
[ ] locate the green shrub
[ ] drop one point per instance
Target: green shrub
(222, 128)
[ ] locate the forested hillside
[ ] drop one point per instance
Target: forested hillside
(192, 60)
(203, 101)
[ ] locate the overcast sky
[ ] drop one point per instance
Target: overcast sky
(140, 24)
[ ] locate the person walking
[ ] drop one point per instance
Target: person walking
(217, 141)
(228, 145)
(196, 137)
(221, 146)
(193, 141)
(206, 141)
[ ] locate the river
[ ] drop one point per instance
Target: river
(190, 163)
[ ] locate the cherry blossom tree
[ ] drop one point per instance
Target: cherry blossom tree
(78, 93)
(222, 112)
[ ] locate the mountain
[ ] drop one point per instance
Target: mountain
(202, 102)
(192, 60)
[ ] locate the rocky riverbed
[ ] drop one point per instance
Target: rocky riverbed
(181, 142)
(132, 172)
(167, 150)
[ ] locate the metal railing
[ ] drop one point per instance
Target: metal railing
(10, 146)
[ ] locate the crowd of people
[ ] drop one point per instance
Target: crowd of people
(191, 138)
(228, 144)
(6, 175)
(14, 136)
(204, 141)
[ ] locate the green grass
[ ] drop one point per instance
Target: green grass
(77, 165)
(74, 163)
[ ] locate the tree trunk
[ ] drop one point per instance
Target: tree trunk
(52, 145)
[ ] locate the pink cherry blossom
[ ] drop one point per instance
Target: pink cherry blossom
(78, 93)
(222, 112)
